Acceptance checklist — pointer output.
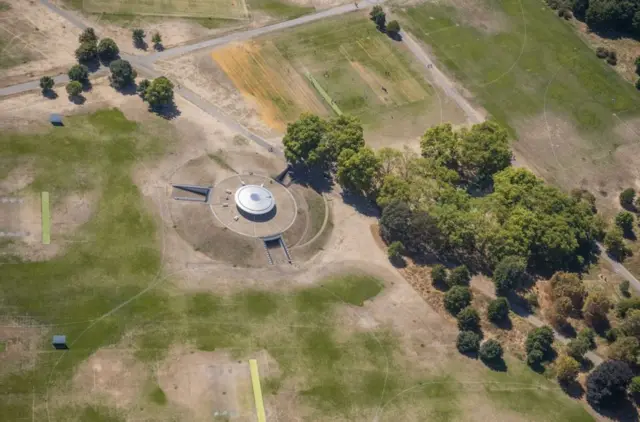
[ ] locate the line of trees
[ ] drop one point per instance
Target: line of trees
(605, 15)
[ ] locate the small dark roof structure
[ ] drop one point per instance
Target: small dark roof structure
(59, 342)
(56, 119)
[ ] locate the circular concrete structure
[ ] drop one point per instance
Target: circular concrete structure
(253, 205)
(254, 199)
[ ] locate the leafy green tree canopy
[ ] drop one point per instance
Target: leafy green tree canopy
(608, 382)
(74, 88)
(358, 171)
(456, 299)
(88, 35)
(108, 49)
(78, 72)
(490, 351)
(468, 319)
(159, 92)
(122, 74)
(509, 273)
(468, 342)
(87, 51)
(498, 310)
(46, 83)
(303, 141)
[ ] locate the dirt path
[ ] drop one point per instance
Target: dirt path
(619, 269)
(441, 80)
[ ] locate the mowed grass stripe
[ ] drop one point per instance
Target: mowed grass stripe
(324, 94)
(46, 219)
(257, 390)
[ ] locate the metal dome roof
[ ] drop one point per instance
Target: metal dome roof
(254, 199)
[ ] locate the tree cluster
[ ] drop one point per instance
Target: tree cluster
(608, 383)
(462, 201)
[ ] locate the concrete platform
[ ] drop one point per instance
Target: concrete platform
(277, 221)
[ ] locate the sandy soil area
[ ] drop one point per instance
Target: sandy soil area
(48, 39)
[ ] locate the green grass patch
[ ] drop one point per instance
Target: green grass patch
(535, 65)
(46, 218)
(279, 9)
(157, 396)
(4, 6)
(547, 402)
(324, 94)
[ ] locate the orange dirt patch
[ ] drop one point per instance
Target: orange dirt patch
(267, 79)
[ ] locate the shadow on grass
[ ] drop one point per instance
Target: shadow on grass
(572, 389)
(504, 324)
(398, 261)
(142, 45)
(396, 36)
(498, 365)
(621, 410)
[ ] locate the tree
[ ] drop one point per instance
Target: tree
(394, 221)
(142, 87)
(439, 275)
(509, 274)
(393, 28)
(468, 342)
(358, 171)
(535, 357)
(46, 83)
(614, 244)
(608, 383)
(624, 288)
(563, 306)
(459, 276)
(74, 88)
(159, 92)
(577, 348)
(627, 197)
(342, 133)
(456, 299)
(78, 72)
(589, 336)
(638, 88)
(88, 35)
(540, 339)
(624, 220)
(108, 49)
(157, 40)
(122, 74)
(484, 151)
(595, 308)
(630, 326)
(490, 351)
(138, 37)
(87, 51)
(303, 140)
(498, 310)
(378, 16)
(626, 305)
(468, 319)
(567, 369)
(625, 349)
(568, 285)
(634, 387)
(395, 250)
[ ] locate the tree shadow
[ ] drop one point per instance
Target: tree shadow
(601, 326)
(567, 330)
(77, 99)
(621, 410)
(586, 365)
(629, 234)
(50, 94)
(168, 111)
(317, 179)
(573, 389)
(158, 47)
(396, 36)
(398, 261)
(470, 355)
(519, 305)
(87, 86)
(504, 324)
(361, 204)
(93, 65)
(107, 61)
(142, 45)
(129, 89)
(498, 365)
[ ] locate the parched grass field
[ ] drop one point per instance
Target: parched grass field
(141, 349)
(14, 32)
(572, 114)
(364, 72)
(225, 9)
